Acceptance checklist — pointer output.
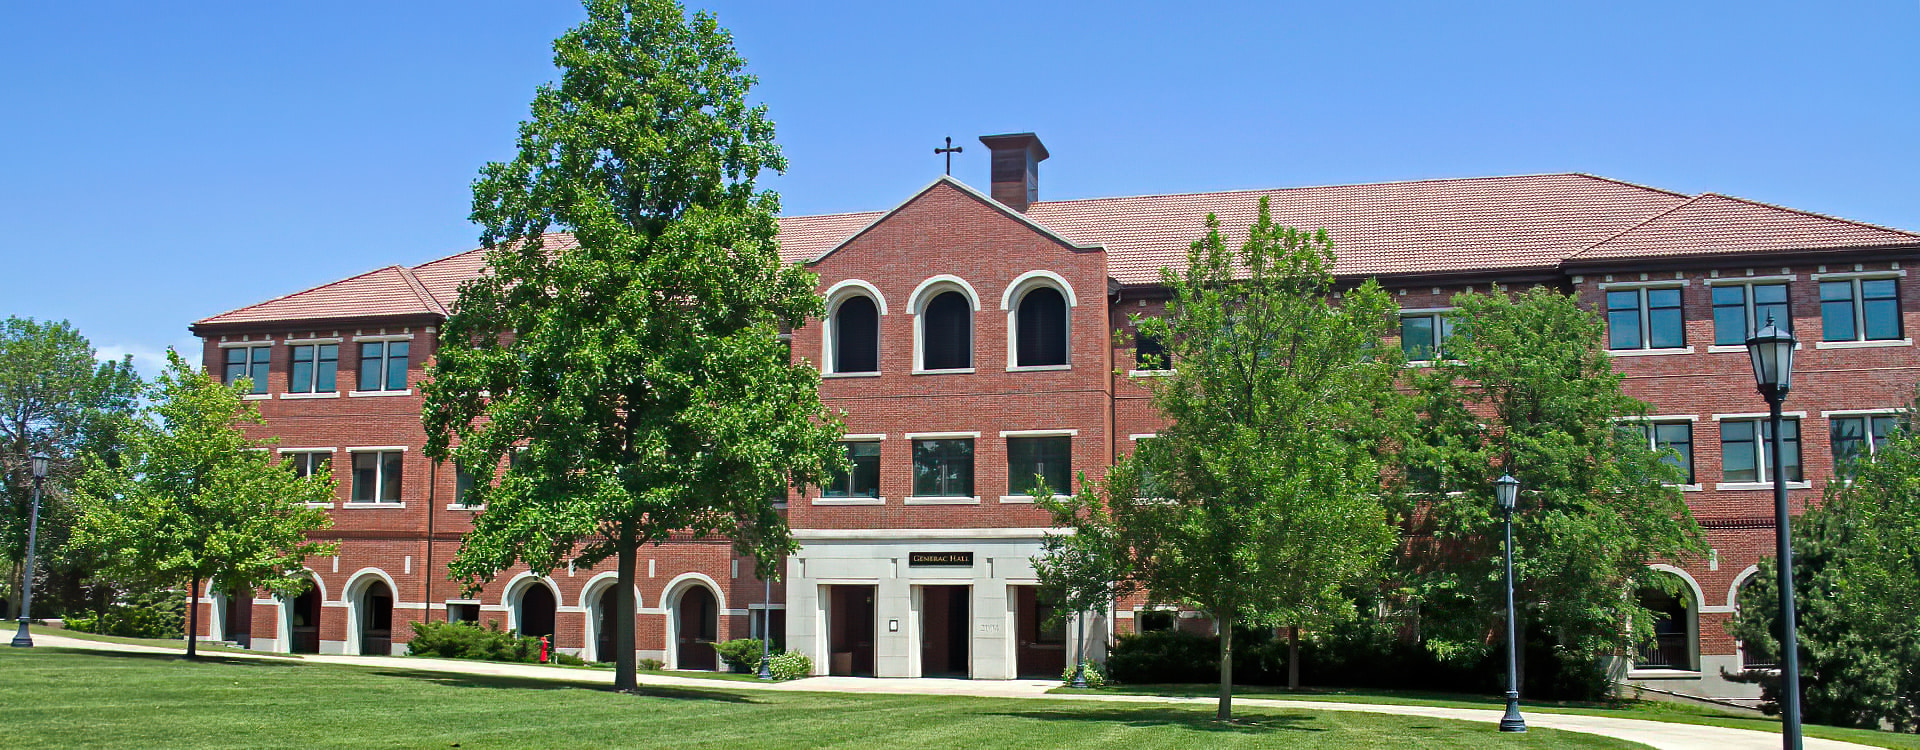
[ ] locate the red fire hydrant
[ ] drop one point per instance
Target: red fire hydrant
(543, 649)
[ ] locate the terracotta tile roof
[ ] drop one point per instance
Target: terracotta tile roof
(1717, 224)
(1530, 223)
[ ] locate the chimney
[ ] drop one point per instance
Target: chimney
(1016, 168)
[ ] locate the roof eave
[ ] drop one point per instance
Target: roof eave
(1695, 259)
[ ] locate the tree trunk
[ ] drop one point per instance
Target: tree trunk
(1293, 657)
(1225, 712)
(193, 616)
(626, 678)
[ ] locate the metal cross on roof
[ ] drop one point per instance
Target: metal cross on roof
(950, 150)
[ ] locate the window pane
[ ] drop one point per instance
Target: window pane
(1789, 449)
(1677, 437)
(390, 476)
(371, 366)
(1770, 302)
(366, 476)
(1035, 458)
(1737, 452)
(1849, 443)
(1148, 354)
(258, 371)
(1042, 326)
(1665, 329)
(1836, 311)
(300, 377)
(866, 468)
(1416, 336)
(396, 366)
(1729, 315)
(856, 336)
(323, 381)
(947, 333)
(1882, 427)
(463, 482)
(236, 366)
(1880, 305)
(943, 468)
(1623, 320)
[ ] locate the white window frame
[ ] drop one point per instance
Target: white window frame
(1005, 434)
(308, 452)
(840, 293)
(385, 358)
(1752, 325)
(1859, 340)
(1646, 347)
(1867, 435)
(379, 477)
(822, 499)
(1439, 346)
(1692, 422)
(266, 388)
(1765, 451)
(1010, 303)
(917, 306)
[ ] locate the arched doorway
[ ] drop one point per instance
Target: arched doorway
(236, 625)
(534, 614)
(1672, 643)
(605, 643)
(696, 627)
(303, 622)
(376, 620)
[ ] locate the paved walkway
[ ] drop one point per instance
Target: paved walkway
(1656, 734)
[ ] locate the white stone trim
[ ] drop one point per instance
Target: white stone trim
(1759, 415)
(1889, 411)
(1035, 368)
(1660, 418)
(1892, 273)
(1743, 486)
(1865, 344)
(916, 305)
(940, 435)
(1010, 299)
(256, 396)
(864, 437)
(1148, 373)
(942, 500)
(1648, 284)
(245, 344)
(1017, 287)
(375, 449)
(930, 288)
(1143, 436)
(1746, 280)
(833, 375)
(376, 394)
(1027, 499)
(867, 535)
(1733, 590)
(383, 337)
(290, 396)
(848, 287)
(373, 505)
(835, 296)
(312, 342)
(1649, 352)
(948, 371)
(285, 451)
(849, 501)
(1039, 433)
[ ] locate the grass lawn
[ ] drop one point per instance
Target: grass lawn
(1668, 711)
(204, 645)
(67, 698)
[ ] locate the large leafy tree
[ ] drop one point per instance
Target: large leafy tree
(196, 501)
(1260, 502)
(1530, 393)
(642, 369)
(57, 399)
(1856, 567)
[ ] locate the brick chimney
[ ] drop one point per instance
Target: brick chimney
(1016, 168)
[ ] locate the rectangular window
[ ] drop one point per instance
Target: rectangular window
(1424, 336)
(1857, 439)
(1032, 459)
(1150, 485)
(383, 366)
(1149, 354)
(1672, 436)
(463, 484)
(1741, 309)
(306, 464)
(1860, 310)
(314, 367)
(864, 479)
(376, 476)
(943, 468)
(1745, 455)
(1645, 319)
(469, 613)
(1151, 620)
(248, 363)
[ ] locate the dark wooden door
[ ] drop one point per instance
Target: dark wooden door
(376, 620)
(303, 623)
(607, 642)
(851, 631)
(698, 625)
(239, 625)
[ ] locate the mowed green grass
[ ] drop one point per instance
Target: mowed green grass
(68, 698)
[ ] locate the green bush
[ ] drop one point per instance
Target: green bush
(1164, 656)
(155, 615)
(568, 660)
(1096, 676)
(462, 640)
(742, 655)
(651, 665)
(790, 665)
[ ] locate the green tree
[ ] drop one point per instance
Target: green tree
(196, 501)
(1856, 567)
(642, 370)
(54, 398)
(1530, 393)
(1086, 570)
(1260, 502)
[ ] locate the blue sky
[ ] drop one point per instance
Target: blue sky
(164, 162)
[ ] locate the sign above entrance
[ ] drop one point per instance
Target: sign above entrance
(940, 559)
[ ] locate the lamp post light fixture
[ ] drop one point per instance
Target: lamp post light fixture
(1506, 490)
(23, 638)
(1771, 350)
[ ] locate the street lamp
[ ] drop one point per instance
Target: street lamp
(1506, 490)
(24, 639)
(766, 629)
(1771, 350)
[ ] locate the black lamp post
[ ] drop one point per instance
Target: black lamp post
(766, 630)
(24, 639)
(1506, 489)
(1772, 352)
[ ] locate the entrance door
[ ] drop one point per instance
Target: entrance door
(697, 626)
(536, 612)
(376, 620)
(944, 615)
(1040, 649)
(238, 627)
(850, 630)
(605, 641)
(303, 622)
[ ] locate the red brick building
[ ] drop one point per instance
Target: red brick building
(970, 340)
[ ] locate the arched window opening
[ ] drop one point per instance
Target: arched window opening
(376, 620)
(697, 617)
(607, 634)
(537, 607)
(1672, 643)
(303, 622)
(1756, 655)
(1041, 324)
(946, 329)
(856, 336)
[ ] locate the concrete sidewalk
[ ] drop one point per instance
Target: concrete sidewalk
(1656, 734)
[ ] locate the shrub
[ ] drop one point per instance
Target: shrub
(461, 640)
(650, 665)
(155, 615)
(790, 665)
(742, 655)
(568, 660)
(1164, 656)
(1096, 677)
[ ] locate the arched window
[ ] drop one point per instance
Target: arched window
(1673, 624)
(1756, 655)
(856, 335)
(946, 333)
(1041, 326)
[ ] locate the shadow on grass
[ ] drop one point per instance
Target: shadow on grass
(1244, 723)
(502, 682)
(203, 658)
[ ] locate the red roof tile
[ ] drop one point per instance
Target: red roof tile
(1717, 224)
